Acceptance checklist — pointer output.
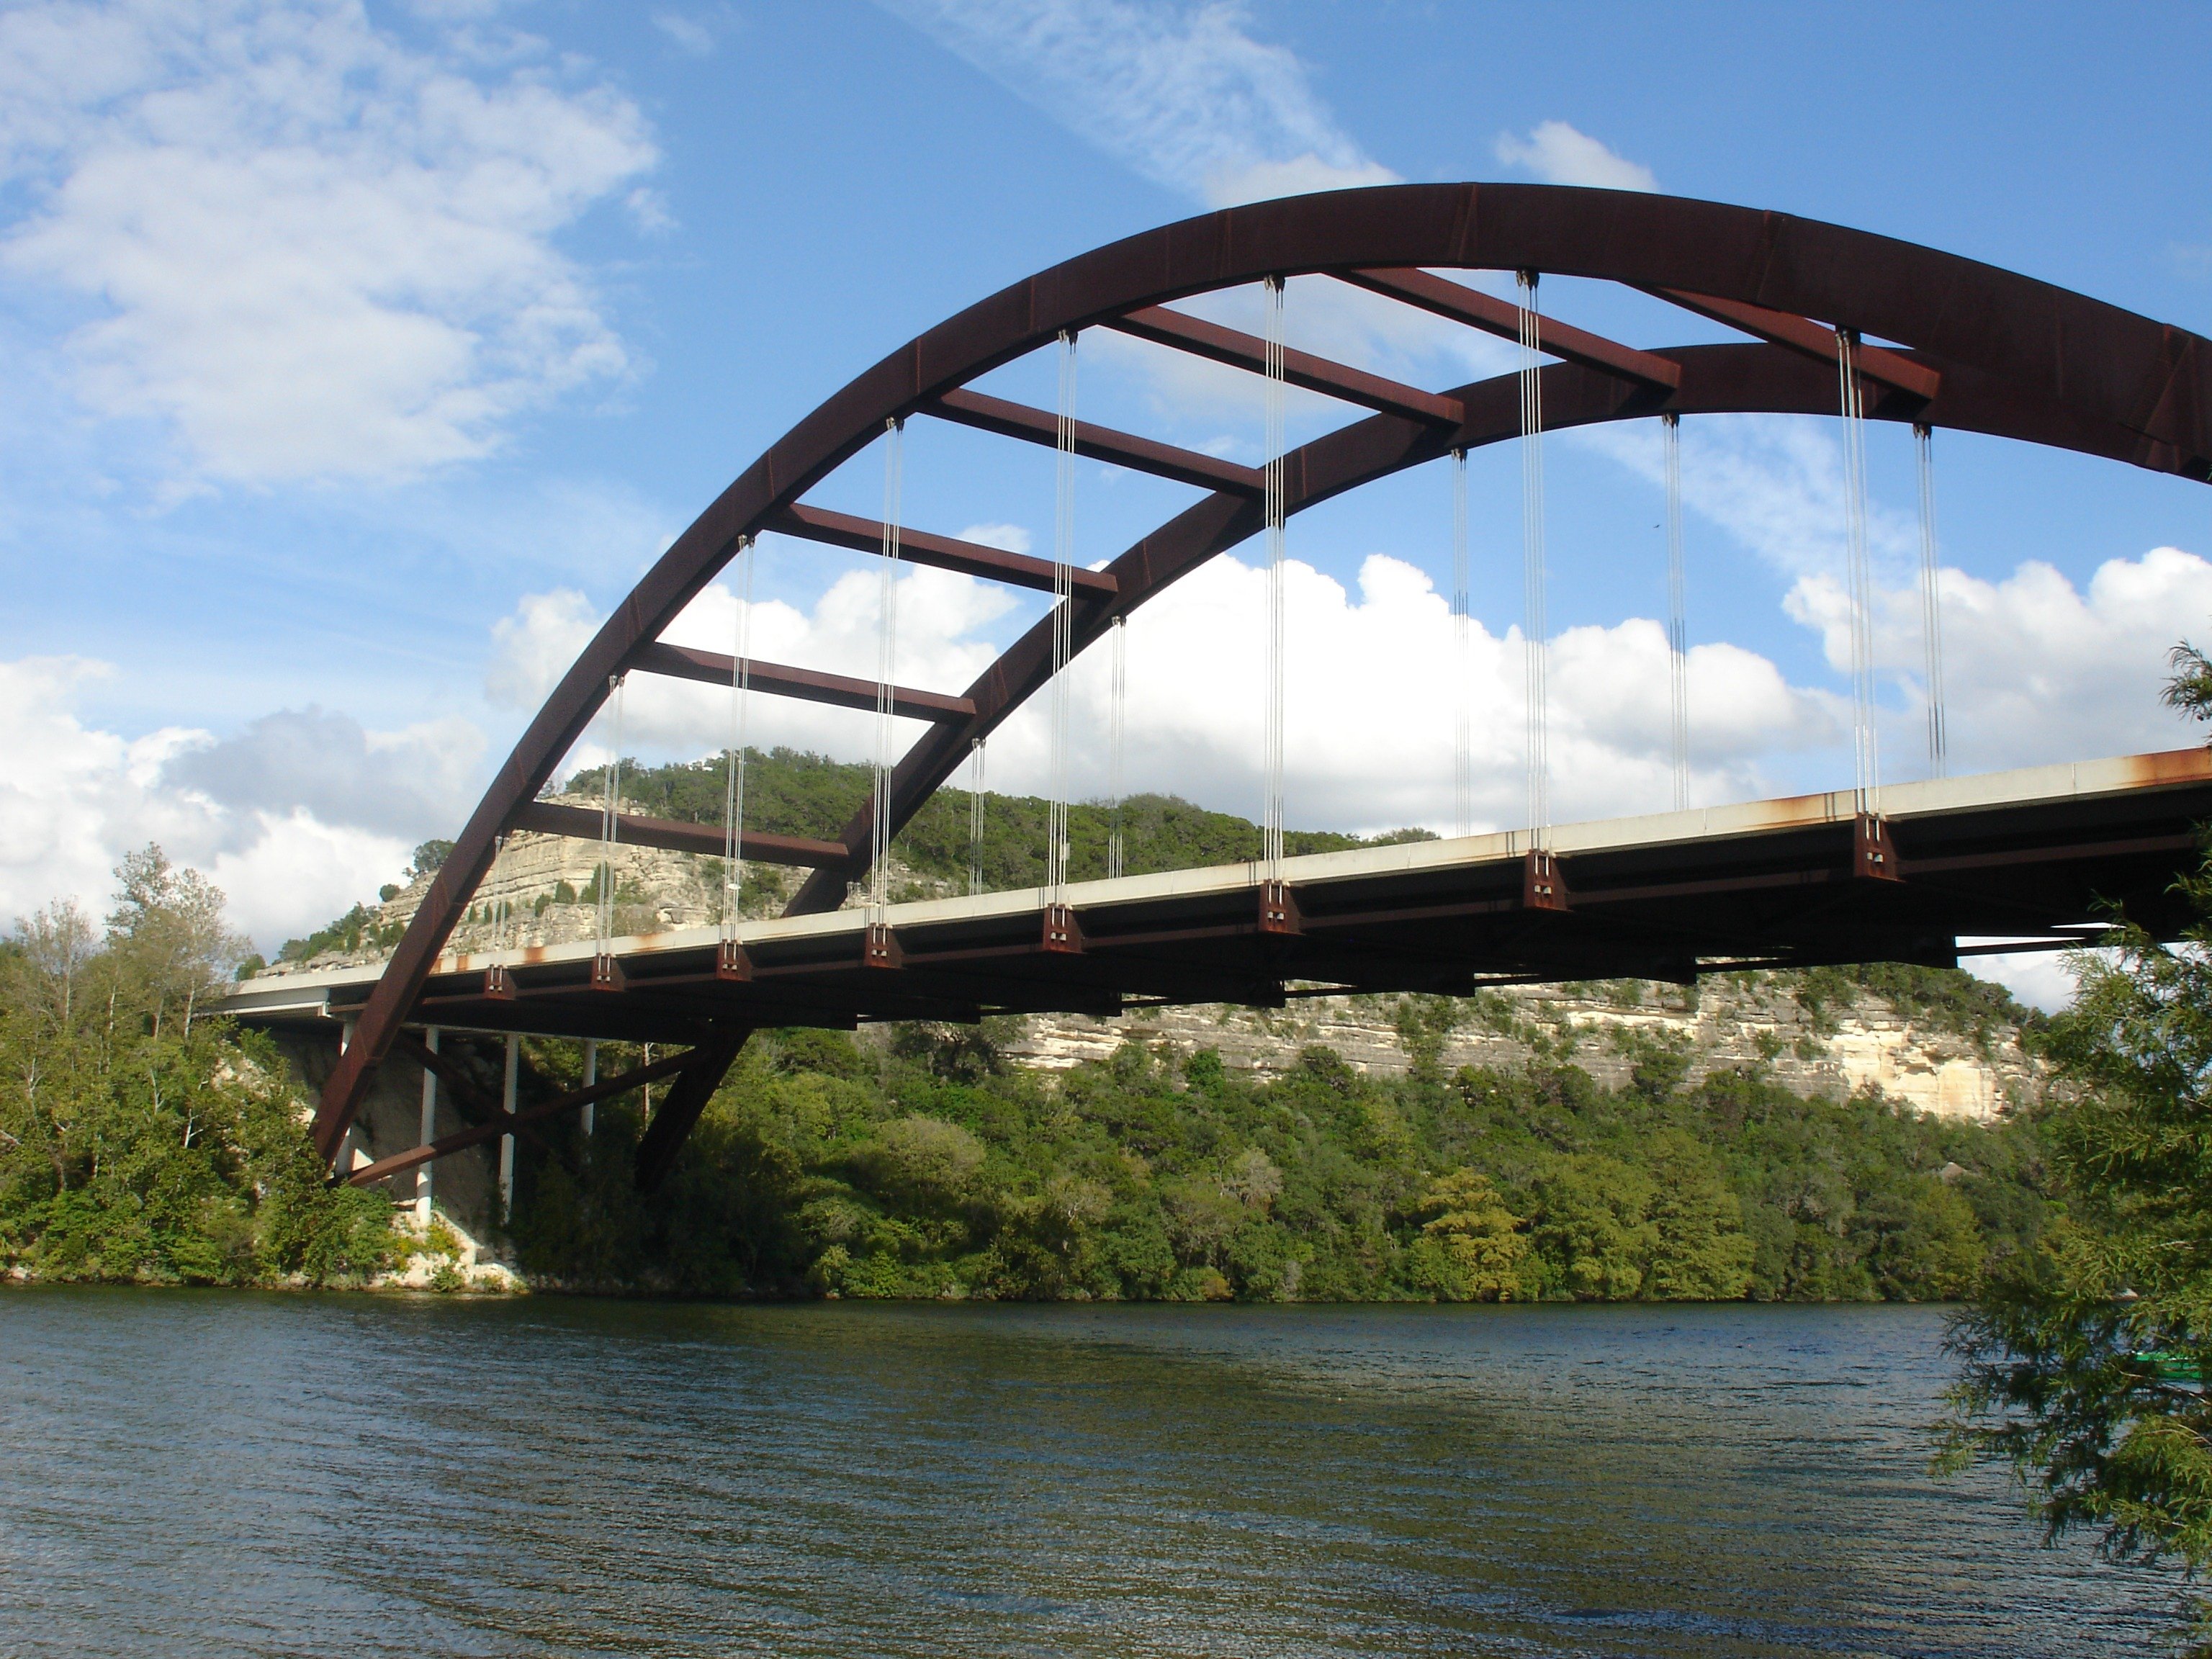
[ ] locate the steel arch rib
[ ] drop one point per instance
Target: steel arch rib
(2019, 358)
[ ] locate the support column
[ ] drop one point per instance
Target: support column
(591, 1076)
(346, 1159)
(506, 1142)
(429, 1131)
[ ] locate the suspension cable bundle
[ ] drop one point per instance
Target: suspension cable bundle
(1866, 755)
(975, 816)
(610, 825)
(1535, 641)
(1931, 604)
(879, 841)
(1462, 677)
(1063, 623)
(1678, 630)
(1117, 724)
(733, 803)
(1272, 742)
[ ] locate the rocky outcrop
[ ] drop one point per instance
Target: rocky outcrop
(1731, 1021)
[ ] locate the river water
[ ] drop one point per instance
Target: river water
(215, 1473)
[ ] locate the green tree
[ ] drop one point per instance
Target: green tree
(140, 1140)
(2083, 1359)
(1699, 1251)
(1591, 1225)
(1471, 1248)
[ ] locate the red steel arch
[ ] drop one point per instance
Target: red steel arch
(1983, 350)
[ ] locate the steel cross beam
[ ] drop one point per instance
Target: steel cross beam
(1099, 443)
(1300, 369)
(503, 1123)
(685, 662)
(2017, 358)
(1442, 297)
(1798, 333)
(816, 523)
(674, 835)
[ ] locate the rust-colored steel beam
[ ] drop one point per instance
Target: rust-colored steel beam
(2019, 358)
(1042, 426)
(504, 1124)
(685, 662)
(1300, 369)
(665, 1133)
(1784, 328)
(674, 835)
(1442, 297)
(816, 523)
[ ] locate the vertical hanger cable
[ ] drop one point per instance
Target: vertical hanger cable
(1462, 681)
(1117, 732)
(1272, 758)
(1678, 629)
(609, 822)
(733, 801)
(1535, 641)
(1866, 757)
(1063, 623)
(1931, 604)
(886, 668)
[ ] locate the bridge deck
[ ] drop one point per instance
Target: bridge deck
(2033, 855)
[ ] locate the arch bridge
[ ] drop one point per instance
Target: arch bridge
(1843, 876)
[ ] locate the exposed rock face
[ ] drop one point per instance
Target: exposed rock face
(1729, 1021)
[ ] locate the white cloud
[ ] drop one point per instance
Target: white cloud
(1559, 154)
(74, 799)
(1184, 94)
(1013, 538)
(325, 764)
(941, 617)
(2034, 670)
(689, 34)
(2038, 978)
(308, 250)
(1369, 704)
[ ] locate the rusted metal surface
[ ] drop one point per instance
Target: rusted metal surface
(923, 547)
(501, 1123)
(1099, 443)
(1300, 369)
(666, 1129)
(685, 662)
(1442, 297)
(673, 835)
(1801, 334)
(2016, 357)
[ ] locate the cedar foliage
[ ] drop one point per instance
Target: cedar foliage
(140, 1140)
(2082, 1362)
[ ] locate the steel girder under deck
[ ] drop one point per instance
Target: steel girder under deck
(2046, 856)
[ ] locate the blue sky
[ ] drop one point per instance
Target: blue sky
(357, 359)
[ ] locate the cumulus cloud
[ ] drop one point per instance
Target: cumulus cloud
(329, 767)
(1372, 688)
(1184, 94)
(291, 851)
(305, 249)
(1559, 154)
(2034, 669)
(941, 617)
